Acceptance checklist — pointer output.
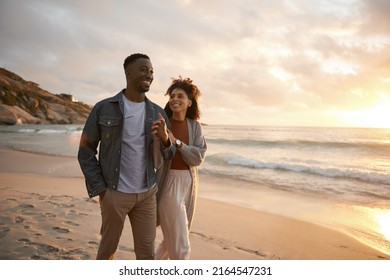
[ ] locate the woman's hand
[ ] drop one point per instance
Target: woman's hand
(171, 136)
(160, 131)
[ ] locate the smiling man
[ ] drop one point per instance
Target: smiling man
(125, 127)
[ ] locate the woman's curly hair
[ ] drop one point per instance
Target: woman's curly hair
(192, 92)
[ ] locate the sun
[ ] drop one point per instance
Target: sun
(375, 116)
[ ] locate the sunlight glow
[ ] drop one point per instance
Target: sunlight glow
(372, 226)
(378, 115)
(383, 219)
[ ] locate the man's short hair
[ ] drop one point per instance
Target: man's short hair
(131, 58)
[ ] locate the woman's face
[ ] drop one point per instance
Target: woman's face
(179, 101)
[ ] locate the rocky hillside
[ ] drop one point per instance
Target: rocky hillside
(24, 102)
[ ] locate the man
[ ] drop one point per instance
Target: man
(126, 128)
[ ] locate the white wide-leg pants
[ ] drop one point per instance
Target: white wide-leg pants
(173, 216)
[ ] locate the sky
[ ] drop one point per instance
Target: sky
(256, 62)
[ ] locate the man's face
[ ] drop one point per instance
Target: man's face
(139, 74)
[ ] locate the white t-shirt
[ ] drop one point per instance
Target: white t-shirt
(132, 177)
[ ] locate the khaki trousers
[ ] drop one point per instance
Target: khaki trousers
(172, 211)
(141, 210)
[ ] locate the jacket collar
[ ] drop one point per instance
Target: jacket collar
(118, 98)
(149, 106)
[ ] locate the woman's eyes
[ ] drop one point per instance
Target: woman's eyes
(177, 96)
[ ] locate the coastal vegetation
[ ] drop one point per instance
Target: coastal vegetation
(24, 102)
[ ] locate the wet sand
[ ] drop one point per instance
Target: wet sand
(46, 214)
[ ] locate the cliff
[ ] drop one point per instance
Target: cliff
(24, 102)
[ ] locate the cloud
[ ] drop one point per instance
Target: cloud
(284, 60)
(377, 17)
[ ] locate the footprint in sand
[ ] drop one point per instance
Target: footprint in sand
(71, 223)
(251, 251)
(75, 213)
(61, 230)
(4, 232)
(53, 203)
(19, 220)
(70, 205)
(35, 257)
(26, 206)
(92, 200)
(76, 253)
(27, 209)
(50, 215)
(49, 248)
(24, 240)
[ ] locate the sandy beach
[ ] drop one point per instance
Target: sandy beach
(46, 214)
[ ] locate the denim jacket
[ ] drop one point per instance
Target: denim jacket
(103, 128)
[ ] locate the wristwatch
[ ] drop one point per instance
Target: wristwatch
(178, 143)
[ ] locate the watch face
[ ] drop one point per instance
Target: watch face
(178, 142)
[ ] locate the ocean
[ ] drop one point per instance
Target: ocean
(348, 166)
(348, 163)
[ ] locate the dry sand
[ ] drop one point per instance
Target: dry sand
(46, 214)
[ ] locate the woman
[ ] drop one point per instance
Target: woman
(178, 179)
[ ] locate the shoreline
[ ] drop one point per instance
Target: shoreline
(47, 215)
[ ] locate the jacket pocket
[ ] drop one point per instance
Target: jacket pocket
(109, 127)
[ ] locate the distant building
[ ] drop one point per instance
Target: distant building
(69, 97)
